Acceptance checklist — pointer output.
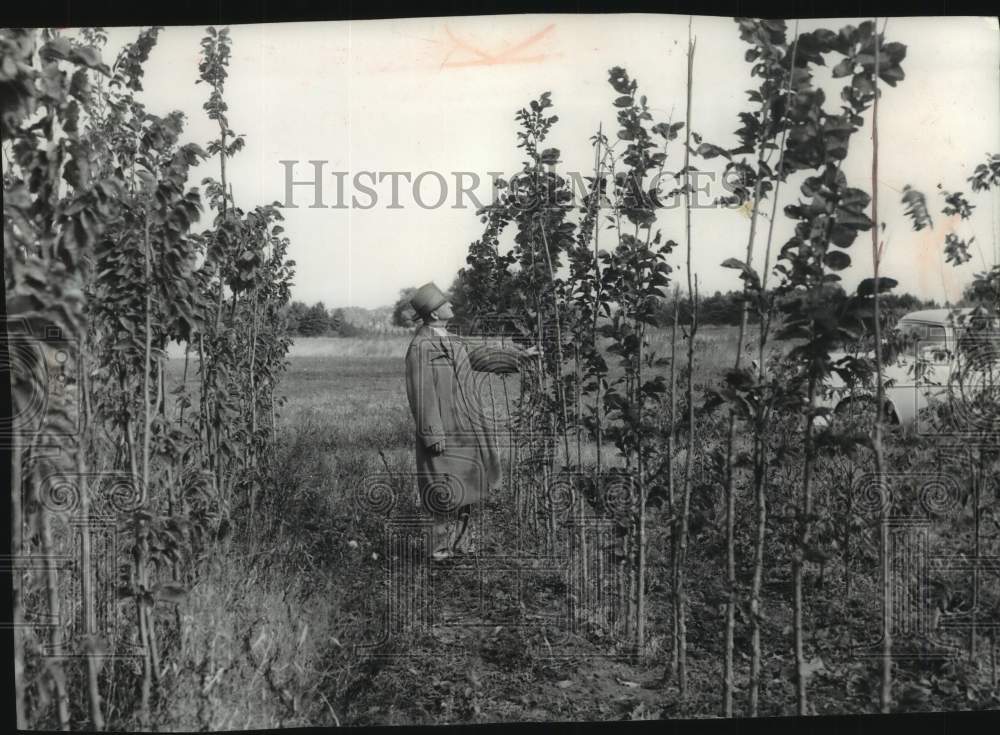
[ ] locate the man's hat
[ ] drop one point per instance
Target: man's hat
(427, 298)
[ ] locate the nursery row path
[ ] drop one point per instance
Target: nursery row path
(491, 638)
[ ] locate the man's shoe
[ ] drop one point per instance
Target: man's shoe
(441, 555)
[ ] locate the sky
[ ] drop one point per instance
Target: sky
(431, 97)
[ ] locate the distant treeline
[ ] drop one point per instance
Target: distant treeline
(721, 308)
(718, 309)
(319, 321)
(724, 308)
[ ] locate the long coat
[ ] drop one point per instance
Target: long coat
(441, 388)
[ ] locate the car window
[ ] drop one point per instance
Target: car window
(923, 332)
(937, 334)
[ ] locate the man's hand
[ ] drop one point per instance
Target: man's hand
(437, 447)
(532, 351)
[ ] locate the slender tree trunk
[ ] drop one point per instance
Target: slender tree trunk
(560, 393)
(17, 579)
(730, 494)
(577, 413)
(993, 662)
(641, 491)
(187, 358)
(639, 399)
(175, 571)
(87, 585)
(598, 399)
(145, 633)
(525, 448)
(93, 691)
(203, 403)
(885, 688)
(252, 449)
(511, 442)
(56, 671)
(672, 427)
(681, 600)
(221, 480)
(629, 565)
(161, 397)
(578, 497)
(549, 528)
(760, 435)
(760, 502)
(274, 424)
(760, 532)
(140, 603)
(797, 557)
(671, 448)
(847, 537)
(976, 551)
(623, 587)
(222, 164)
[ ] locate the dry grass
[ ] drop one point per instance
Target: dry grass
(376, 346)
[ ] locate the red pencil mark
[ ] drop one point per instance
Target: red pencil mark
(476, 56)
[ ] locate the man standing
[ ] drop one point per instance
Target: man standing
(458, 462)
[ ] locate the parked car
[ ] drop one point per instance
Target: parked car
(948, 354)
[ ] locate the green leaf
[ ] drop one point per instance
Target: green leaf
(837, 260)
(867, 285)
(862, 85)
(844, 68)
(842, 236)
(707, 150)
(916, 208)
(890, 75)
